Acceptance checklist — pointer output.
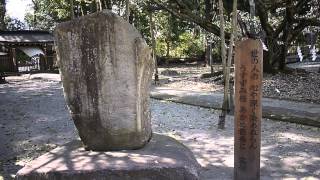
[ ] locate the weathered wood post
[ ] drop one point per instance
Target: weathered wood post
(248, 111)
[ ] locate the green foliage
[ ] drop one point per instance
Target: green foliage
(186, 45)
(14, 24)
(191, 45)
(141, 21)
(176, 38)
(47, 13)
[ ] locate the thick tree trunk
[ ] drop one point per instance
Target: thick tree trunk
(209, 10)
(270, 56)
(275, 58)
(282, 57)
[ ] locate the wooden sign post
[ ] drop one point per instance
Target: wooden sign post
(248, 111)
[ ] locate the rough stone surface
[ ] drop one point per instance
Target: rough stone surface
(163, 158)
(106, 71)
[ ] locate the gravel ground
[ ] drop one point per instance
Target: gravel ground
(34, 120)
(296, 86)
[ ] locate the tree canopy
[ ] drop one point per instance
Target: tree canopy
(183, 25)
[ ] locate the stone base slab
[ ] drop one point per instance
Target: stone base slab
(163, 158)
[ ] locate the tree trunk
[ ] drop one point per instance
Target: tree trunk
(71, 9)
(108, 4)
(231, 103)
(230, 56)
(207, 52)
(209, 12)
(282, 57)
(127, 9)
(83, 8)
(98, 5)
(286, 32)
(153, 41)
(210, 56)
(35, 9)
(222, 116)
(167, 48)
(119, 9)
(271, 56)
(226, 101)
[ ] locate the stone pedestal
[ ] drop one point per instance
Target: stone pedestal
(163, 158)
(106, 69)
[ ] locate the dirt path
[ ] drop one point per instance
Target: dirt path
(299, 86)
(34, 119)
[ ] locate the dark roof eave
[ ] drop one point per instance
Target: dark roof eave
(25, 32)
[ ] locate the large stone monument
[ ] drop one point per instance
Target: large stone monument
(106, 70)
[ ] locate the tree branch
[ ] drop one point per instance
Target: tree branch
(302, 24)
(186, 14)
(263, 16)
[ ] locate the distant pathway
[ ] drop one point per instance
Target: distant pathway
(289, 111)
(312, 66)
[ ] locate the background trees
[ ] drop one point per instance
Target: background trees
(279, 22)
(47, 13)
(182, 27)
(282, 22)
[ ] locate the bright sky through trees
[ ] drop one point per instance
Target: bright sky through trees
(18, 8)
